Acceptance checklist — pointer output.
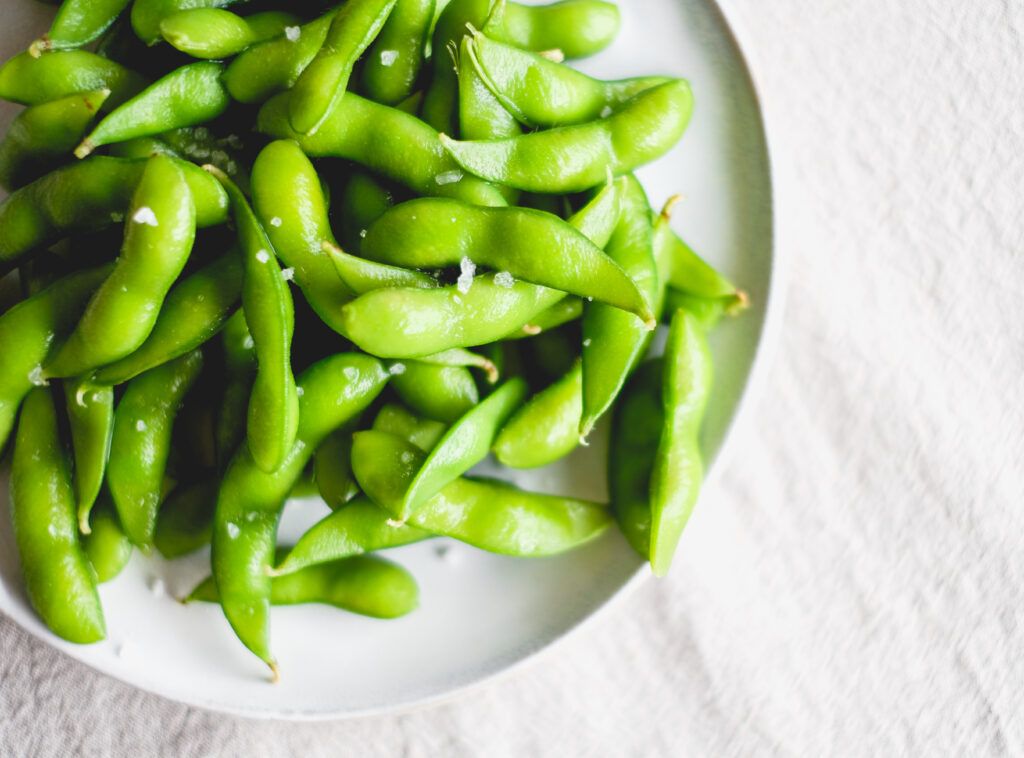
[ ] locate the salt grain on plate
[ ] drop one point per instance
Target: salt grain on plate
(145, 215)
(157, 587)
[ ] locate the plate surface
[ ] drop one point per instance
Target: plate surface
(480, 614)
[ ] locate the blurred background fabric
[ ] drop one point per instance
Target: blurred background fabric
(853, 583)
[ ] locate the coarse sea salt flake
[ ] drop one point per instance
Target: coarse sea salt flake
(448, 177)
(263, 256)
(288, 274)
(504, 279)
(233, 530)
(276, 221)
(36, 377)
(397, 369)
(388, 57)
(145, 215)
(468, 271)
(293, 33)
(140, 426)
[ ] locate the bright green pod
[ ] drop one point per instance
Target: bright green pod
(385, 140)
(77, 23)
(489, 515)
(404, 322)
(42, 136)
(106, 545)
(678, 466)
(324, 81)
(332, 469)
(546, 429)
(158, 240)
(481, 114)
(141, 443)
(366, 585)
(185, 521)
(424, 433)
(334, 392)
(576, 158)
(614, 342)
(541, 93)
(708, 311)
(240, 371)
(289, 201)
(213, 33)
(362, 201)
(441, 393)
(90, 409)
(273, 66)
(691, 274)
(273, 419)
(361, 275)
(464, 445)
(148, 14)
(460, 357)
(358, 528)
(392, 65)
(187, 96)
(566, 310)
(30, 81)
(194, 311)
(61, 584)
(534, 246)
(88, 196)
(28, 332)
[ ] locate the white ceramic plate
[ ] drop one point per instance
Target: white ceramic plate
(480, 614)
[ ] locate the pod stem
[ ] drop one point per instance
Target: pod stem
(42, 45)
(84, 149)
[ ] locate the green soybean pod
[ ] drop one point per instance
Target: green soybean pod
(77, 23)
(614, 342)
(424, 433)
(195, 310)
(30, 81)
(42, 136)
(28, 332)
(270, 314)
(678, 467)
(579, 28)
(467, 358)
(392, 65)
(332, 469)
(566, 310)
(481, 114)
(187, 96)
(324, 81)
(147, 15)
(463, 446)
(708, 311)
(335, 391)
(575, 158)
(60, 582)
(358, 528)
(214, 33)
(88, 196)
(385, 140)
(185, 521)
(546, 429)
(361, 275)
(90, 409)
(157, 244)
(239, 370)
(366, 585)
(362, 201)
(273, 66)
(106, 545)
(289, 201)
(441, 393)
(141, 443)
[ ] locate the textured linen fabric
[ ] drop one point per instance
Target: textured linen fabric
(853, 583)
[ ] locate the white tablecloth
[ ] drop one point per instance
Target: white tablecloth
(869, 596)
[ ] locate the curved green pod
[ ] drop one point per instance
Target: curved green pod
(106, 545)
(90, 410)
(60, 582)
(576, 158)
(441, 393)
(392, 64)
(424, 433)
(43, 136)
(546, 429)
(77, 23)
(147, 15)
(214, 33)
(361, 275)
(185, 521)
(384, 140)
(31, 81)
(141, 443)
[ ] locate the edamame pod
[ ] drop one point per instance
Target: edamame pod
(195, 310)
(77, 23)
(270, 314)
(424, 433)
(87, 196)
(275, 65)
(534, 246)
(481, 114)
(148, 14)
(185, 521)
(575, 158)
(90, 411)
(489, 515)
(106, 545)
(366, 585)
(60, 582)
(566, 310)
(213, 33)
(441, 393)
(460, 357)
(332, 469)
(240, 370)
(157, 243)
(28, 332)
(362, 201)
(187, 96)
(249, 502)
(384, 140)
(361, 275)
(463, 446)
(324, 81)
(42, 136)
(31, 81)
(141, 443)
(392, 65)
(546, 429)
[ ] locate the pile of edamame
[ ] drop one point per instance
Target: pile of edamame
(350, 250)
